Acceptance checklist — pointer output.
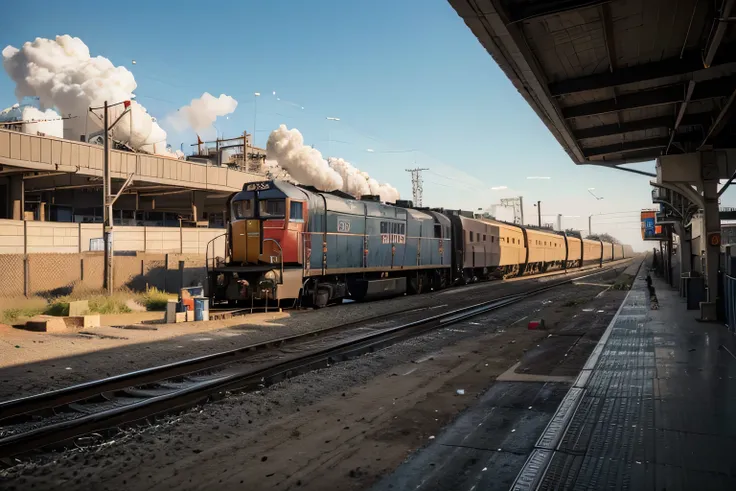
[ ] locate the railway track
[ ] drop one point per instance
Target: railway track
(58, 416)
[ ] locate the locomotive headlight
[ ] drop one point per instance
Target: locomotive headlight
(272, 275)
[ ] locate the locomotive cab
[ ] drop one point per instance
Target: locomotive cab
(266, 220)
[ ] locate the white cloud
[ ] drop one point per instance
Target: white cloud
(499, 188)
(539, 177)
(202, 112)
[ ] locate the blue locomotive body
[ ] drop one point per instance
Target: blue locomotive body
(295, 242)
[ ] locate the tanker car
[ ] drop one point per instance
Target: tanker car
(292, 242)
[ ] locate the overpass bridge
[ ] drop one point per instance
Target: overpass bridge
(40, 174)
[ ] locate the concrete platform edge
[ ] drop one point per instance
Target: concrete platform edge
(536, 465)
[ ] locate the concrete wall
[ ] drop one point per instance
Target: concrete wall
(59, 274)
(50, 258)
(29, 237)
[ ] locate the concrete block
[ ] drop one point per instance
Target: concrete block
(171, 311)
(79, 307)
(190, 315)
(181, 317)
(46, 323)
(90, 320)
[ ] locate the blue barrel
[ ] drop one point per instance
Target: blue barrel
(201, 305)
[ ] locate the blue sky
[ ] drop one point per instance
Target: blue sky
(407, 79)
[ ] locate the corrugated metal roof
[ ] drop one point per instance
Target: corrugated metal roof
(617, 80)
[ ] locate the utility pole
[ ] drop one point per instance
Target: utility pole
(108, 199)
(107, 207)
(539, 213)
(416, 184)
(590, 225)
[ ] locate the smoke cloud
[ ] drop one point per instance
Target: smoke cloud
(359, 183)
(63, 75)
(48, 122)
(202, 112)
(303, 163)
(286, 152)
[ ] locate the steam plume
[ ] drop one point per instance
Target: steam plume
(305, 164)
(359, 183)
(63, 75)
(286, 152)
(202, 112)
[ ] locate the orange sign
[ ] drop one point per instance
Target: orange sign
(714, 239)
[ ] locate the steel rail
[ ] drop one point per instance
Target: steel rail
(243, 378)
(47, 400)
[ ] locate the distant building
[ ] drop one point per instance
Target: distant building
(230, 152)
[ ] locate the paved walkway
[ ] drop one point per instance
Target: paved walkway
(654, 408)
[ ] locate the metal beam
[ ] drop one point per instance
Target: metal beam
(722, 119)
(691, 61)
(122, 188)
(715, 42)
(625, 147)
(519, 11)
(629, 126)
(681, 113)
(700, 119)
(667, 95)
(727, 185)
(721, 87)
(605, 12)
(625, 169)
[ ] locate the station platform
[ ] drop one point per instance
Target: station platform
(653, 408)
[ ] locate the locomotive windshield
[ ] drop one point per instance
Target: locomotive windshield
(272, 208)
(243, 208)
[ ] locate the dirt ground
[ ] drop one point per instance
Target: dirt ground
(32, 362)
(340, 428)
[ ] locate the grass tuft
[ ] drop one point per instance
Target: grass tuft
(12, 315)
(113, 304)
(154, 299)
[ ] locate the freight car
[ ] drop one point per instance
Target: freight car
(295, 242)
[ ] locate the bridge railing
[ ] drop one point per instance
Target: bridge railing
(56, 154)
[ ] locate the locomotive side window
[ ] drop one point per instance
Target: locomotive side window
(272, 208)
(243, 208)
(296, 211)
(437, 230)
(484, 237)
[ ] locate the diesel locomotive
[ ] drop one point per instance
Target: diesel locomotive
(293, 242)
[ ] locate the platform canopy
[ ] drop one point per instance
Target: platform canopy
(618, 81)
